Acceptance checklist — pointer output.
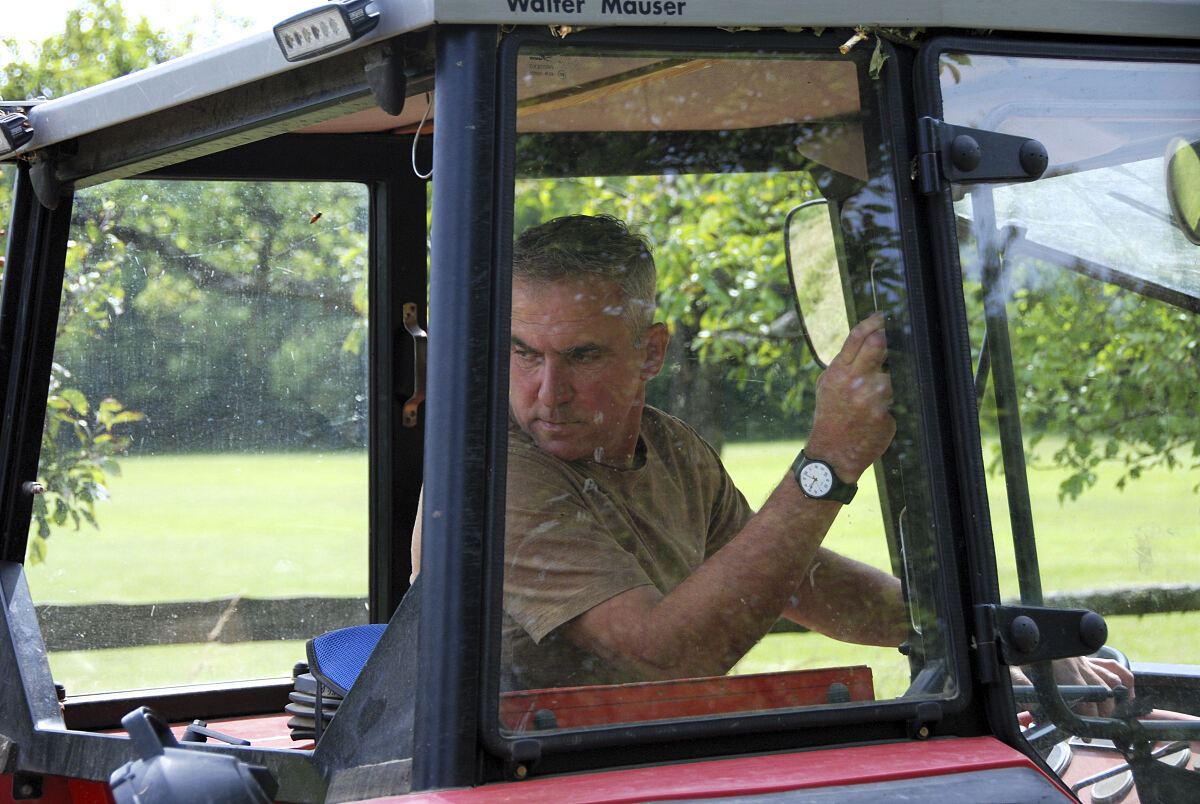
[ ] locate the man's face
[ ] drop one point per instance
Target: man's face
(577, 376)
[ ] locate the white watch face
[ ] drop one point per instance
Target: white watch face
(816, 479)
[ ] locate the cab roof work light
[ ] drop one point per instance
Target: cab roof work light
(15, 131)
(324, 29)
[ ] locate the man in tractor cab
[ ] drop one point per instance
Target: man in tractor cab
(629, 553)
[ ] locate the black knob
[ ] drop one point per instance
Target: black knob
(965, 153)
(544, 719)
(1093, 631)
(837, 693)
(1024, 634)
(1034, 158)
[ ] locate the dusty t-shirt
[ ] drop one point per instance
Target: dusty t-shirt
(578, 533)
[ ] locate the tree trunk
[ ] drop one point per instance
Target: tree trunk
(695, 394)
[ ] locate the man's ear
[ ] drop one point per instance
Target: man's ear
(655, 343)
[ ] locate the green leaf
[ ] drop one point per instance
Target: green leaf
(37, 551)
(878, 57)
(76, 399)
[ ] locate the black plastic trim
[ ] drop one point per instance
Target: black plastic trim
(927, 360)
(460, 410)
(28, 321)
(982, 584)
(178, 704)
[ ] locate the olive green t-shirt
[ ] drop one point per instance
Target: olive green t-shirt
(578, 533)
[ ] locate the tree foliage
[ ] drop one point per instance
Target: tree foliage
(98, 42)
(244, 313)
(1106, 375)
(81, 439)
(723, 289)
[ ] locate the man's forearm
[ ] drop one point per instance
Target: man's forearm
(850, 601)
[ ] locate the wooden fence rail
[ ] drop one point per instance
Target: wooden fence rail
(1137, 600)
(92, 626)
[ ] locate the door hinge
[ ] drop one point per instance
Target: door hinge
(1027, 634)
(948, 153)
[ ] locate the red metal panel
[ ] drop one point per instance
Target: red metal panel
(746, 776)
(574, 707)
(57, 790)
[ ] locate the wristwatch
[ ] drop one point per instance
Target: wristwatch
(818, 480)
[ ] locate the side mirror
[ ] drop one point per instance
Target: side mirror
(1183, 186)
(814, 251)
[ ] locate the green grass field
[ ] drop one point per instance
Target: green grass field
(199, 527)
(1145, 535)
(193, 527)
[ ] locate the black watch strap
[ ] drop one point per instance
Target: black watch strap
(817, 479)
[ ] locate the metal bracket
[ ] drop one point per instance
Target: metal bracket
(960, 154)
(385, 76)
(1028, 634)
(48, 188)
(921, 725)
(420, 351)
(525, 755)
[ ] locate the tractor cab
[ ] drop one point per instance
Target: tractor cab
(258, 342)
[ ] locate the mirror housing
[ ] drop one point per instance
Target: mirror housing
(815, 254)
(1183, 186)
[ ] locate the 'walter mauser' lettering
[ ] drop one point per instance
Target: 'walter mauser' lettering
(547, 6)
(645, 8)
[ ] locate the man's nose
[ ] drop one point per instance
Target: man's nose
(555, 387)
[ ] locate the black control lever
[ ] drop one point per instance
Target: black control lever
(199, 732)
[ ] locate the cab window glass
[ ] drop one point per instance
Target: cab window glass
(204, 457)
(1083, 295)
(620, 506)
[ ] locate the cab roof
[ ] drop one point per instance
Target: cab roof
(219, 76)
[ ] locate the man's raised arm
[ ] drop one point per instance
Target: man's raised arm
(707, 623)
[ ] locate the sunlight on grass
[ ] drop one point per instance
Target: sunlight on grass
(195, 527)
(88, 671)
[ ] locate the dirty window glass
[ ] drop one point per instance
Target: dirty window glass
(204, 460)
(648, 425)
(1083, 295)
